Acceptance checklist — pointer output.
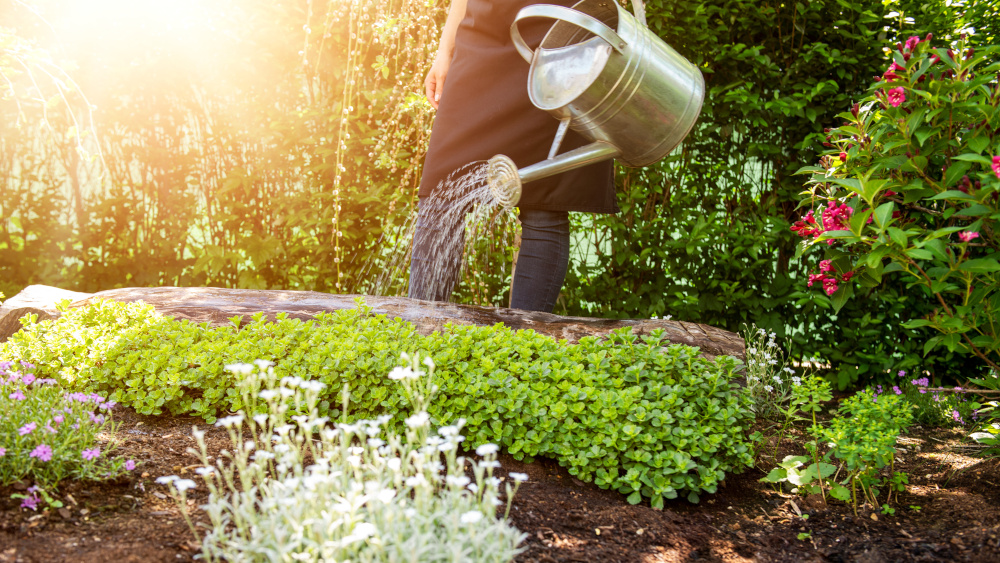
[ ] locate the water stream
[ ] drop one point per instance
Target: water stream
(463, 199)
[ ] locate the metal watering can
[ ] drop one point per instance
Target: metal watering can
(602, 72)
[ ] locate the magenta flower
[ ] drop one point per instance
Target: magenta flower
(91, 454)
(17, 395)
(958, 418)
(130, 465)
(28, 379)
(996, 166)
(966, 236)
(58, 419)
(42, 452)
(896, 96)
(27, 429)
(912, 43)
(3, 452)
(897, 390)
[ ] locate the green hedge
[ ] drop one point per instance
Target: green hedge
(626, 413)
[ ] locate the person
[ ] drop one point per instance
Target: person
(478, 84)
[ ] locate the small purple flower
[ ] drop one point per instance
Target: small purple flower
(901, 373)
(28, 379)
(130, 465)
(3, 452)
(27, 429)
(30, 502)
(49, 429)
(958, 417)
(91, 454)
(26, 365)
(58, 419)
(76, 426)
(897, 390)
(42, 452)
(17, 395)
(108, 405)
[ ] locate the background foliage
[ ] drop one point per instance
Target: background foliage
(277, 145)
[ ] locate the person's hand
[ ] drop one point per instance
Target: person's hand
(434, 83)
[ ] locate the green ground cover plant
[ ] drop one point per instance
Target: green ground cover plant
(48, 435)
(626, 413)
(303, 488)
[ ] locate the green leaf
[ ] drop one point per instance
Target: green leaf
(980, 265)
(884, 214)
(897, 236)
(919, 254)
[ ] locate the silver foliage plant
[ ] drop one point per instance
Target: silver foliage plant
(300, 488)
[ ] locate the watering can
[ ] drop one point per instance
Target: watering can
(601, 71)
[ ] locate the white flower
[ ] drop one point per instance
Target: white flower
(398, 373)
(385, 496)
(418, 420)
(260, 419)
(245, 369)
(354, 460)
(416, 481)
(790, 370)
(768, 388)
(268, 394)
(762, 331)
(167, 479)
(230, 421)
(668, 317)
(473, 487)
(446, 447)
(519, 477)
(361, 532)
(448, 430)
(203, 471)
(356, 450)
(284, 429)
(459, 481)
(773, 362)
(796, 380)
(487, 449)
(471, 517)
(263, 364)
(260, 455)
(375, 443)
(488, 464)
(429, 362)
(777, 379)
(394, 464)
(751, 350)
(285, 392)
(184, 484)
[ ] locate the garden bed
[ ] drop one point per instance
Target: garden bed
(133, 519)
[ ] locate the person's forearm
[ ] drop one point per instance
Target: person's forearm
(455, 16)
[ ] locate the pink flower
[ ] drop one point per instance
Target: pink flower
(807, 227)
(847, 276)
(58, 419)
(27, 429)
(957, 417)
(17, 395)
(897, 390)
(130, 465)
(896, 96)
(42, 452)
(49, 429)
(901, 373)
(830, 286)
(966, 236)
(826, 266)
(996, 166)
(91, 454)
(912, 43)
(28, 379)
(3, 452)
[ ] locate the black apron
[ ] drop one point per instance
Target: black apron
(485, 110)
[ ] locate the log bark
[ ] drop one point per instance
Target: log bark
(217, 305)
(40, 300)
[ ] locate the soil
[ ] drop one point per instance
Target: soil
(949, 512)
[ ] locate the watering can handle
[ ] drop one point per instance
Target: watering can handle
(640, 12)
(563, 14)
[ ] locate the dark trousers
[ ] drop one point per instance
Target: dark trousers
(438, 242)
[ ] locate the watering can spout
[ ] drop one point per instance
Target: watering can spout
(505, 180)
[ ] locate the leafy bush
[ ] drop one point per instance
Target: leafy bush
(861, 439)
(626, 413)
(47, 435)
(910, 186)
(313, 490)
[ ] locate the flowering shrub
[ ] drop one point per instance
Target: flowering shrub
(910, 185)
(300, 488)
(48, 435)
(988, 414)
(627, 413)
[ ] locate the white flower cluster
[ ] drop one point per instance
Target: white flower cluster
(363, 495)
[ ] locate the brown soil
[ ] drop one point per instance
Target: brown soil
(958, 518)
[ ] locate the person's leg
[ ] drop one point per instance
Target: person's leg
(438, 241)
(542, 260)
